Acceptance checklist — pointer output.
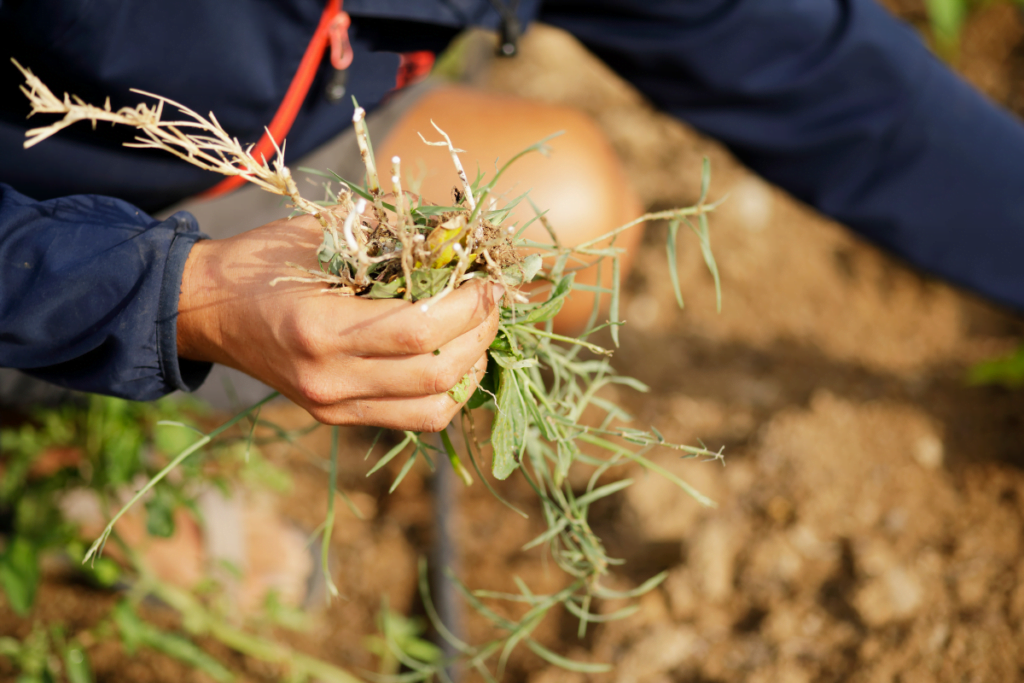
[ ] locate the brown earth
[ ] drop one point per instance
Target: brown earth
(872, 505)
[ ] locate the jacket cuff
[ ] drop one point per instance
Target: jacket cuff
(180, 373)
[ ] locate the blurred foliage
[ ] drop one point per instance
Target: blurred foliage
(105, 447)
(947, 18)
(1007, 371)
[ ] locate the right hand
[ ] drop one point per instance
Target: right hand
(346, 360)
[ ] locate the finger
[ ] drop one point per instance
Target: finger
(398, 328)
(407, 376)
(419, 414)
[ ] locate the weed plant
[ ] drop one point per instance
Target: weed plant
(542, 389)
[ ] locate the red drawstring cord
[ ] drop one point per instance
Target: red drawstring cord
(414, 67)
(333, 28)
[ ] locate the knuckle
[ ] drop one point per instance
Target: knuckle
(434, 421)
(321, 414)
(316, 392)
(332, 415)
(445, 377)
(306, 339)
(418, 339)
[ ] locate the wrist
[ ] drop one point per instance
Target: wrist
(197, 331)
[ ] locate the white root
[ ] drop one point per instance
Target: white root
(466, 187)
(211, 148)
(203, 143)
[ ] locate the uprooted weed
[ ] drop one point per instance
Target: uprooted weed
(539, 384)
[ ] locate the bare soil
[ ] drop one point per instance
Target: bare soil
(872, 507)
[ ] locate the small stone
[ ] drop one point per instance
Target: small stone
(682, 599)
(662, 650)
(929, 452)
(713, 558)
(895, 596)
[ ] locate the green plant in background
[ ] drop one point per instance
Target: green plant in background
(538, 386)
(1007, 371)
(946, 19)
(102, 447)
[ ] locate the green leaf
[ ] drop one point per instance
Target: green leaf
(485, 390)
(550, 308)
(673, 266)
(430, 211)
(160, 514)
(173, 441)
(602, 492)
(563, 662)
(1008, 371)
(646, 587)
(387, 291)
(626, 611)
(524, 271)
(129, 625)
(135, 633)
(613, 308)
(426, 282)
(19, 574)
(461, 391)
(509, 432)
(390, 455)
(947, 20)
(105, 571)
(709, 258)
(76, 664)
(186, 651)
(10, 647)
(705, 180)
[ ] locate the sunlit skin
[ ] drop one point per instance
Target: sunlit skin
(346, 360)
(354, 361)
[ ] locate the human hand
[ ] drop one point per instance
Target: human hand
(346, 360)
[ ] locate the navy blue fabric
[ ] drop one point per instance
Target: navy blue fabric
(834, 100)
(842, 105)
(89, 295)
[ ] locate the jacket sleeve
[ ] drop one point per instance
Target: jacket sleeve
(89, 294)
(839, 103)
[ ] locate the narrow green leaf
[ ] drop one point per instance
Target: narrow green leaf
(602, 492)
(705, 180)
(709, 258)
(453, 458)
(390, 455)
(405, 469)
(160, 514)
(647, 586)
(186, 651)
(627, 611)
(479, 473)
(547, 535)
(19, 574)
(673, 260)
(76, 664)
(613, 310)
(325, 547)
(565, 663)
(550, 308)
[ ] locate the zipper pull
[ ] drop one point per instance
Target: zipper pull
(341, 55)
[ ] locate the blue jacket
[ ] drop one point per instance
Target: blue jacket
(834, 100)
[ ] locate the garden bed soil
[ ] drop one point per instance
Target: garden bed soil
(871, 509)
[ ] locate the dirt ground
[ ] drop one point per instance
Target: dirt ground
(871, 509)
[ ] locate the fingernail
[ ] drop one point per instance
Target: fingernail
(497, 291)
